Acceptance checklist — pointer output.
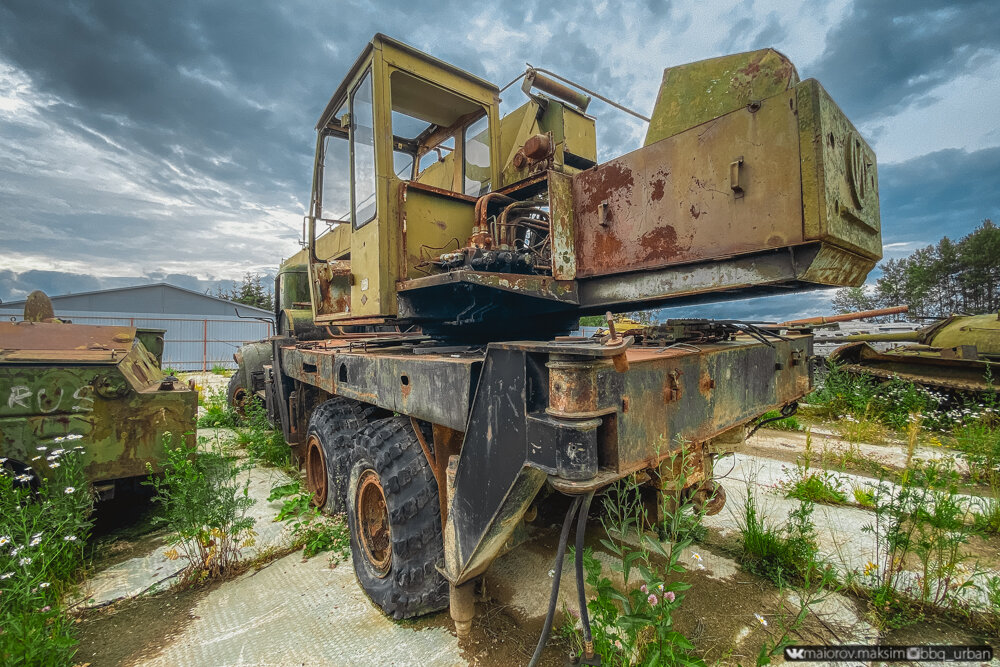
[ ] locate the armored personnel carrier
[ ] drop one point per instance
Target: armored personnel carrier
(99, 388)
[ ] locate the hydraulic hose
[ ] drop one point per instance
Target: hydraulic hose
(560, 554)
(581, 527)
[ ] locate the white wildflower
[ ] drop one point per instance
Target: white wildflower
(70, 538)
(35, 542)
(44, 584)
(4, 540)
(69, 490)
(6, 575)
(54, 465)
(24, 561)
(761, 620)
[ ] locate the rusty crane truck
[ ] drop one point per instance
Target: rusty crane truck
(423, 367)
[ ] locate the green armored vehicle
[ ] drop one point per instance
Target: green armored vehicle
(97, 387)
(960, 353)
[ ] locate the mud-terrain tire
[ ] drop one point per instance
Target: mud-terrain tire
(395, 548)
(333, 427)
(237, 395)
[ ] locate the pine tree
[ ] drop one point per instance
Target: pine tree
(250, 291)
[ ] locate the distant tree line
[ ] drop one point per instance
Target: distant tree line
(250, 291)
(938, 280)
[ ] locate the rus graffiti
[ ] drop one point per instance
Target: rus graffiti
(49, 399)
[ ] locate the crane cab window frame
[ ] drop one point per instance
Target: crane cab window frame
(364, 163)
(431, 126)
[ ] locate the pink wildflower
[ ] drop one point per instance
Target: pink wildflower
(45, 609)
(652, 599)
(643, 588)
(669, 596)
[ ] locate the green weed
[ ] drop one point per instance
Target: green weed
(784, 424)
(863, 496)
(220, 370)
(992, 590)
(313, 531)
(813, 486)
(922, 522)
(262, 443)
(860, 401)
(784, 556)
(811, 593)
(44, 524)
(203, 502)
(634, 624)
(817, 487)
(218, 413)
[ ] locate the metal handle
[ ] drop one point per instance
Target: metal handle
(734, 177)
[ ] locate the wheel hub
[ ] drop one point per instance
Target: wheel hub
(316, 477)
(373, 522)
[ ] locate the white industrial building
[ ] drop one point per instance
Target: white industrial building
(202, 331)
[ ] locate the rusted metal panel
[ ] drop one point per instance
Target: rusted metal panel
(50, 341)
(681, 395)
(434, 222)
(563, 231)
(695, 93)
(736, 275)
(332, 287)
(432, 387)
(727, 187)
(836, 266)
(839, 176)
(563, 409)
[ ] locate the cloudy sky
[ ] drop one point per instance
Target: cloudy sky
(146, 141)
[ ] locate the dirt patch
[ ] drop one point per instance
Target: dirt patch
(126, 632)
(936, 631)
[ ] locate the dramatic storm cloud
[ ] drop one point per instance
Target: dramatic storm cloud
(173, 141)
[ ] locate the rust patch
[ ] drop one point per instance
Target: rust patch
(607, 246)
(775, 240)
(695, 213)
(658, 186)
(660, 242)
(441, 225)
(610, 180)
(706, 384)
(751, 69)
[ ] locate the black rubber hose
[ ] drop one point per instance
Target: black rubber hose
(560, 554)
(581, 527)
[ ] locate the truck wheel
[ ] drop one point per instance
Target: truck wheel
(395, 521)
(329, 443)
(237, 395)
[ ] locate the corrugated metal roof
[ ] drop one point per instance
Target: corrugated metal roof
(139, 298)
